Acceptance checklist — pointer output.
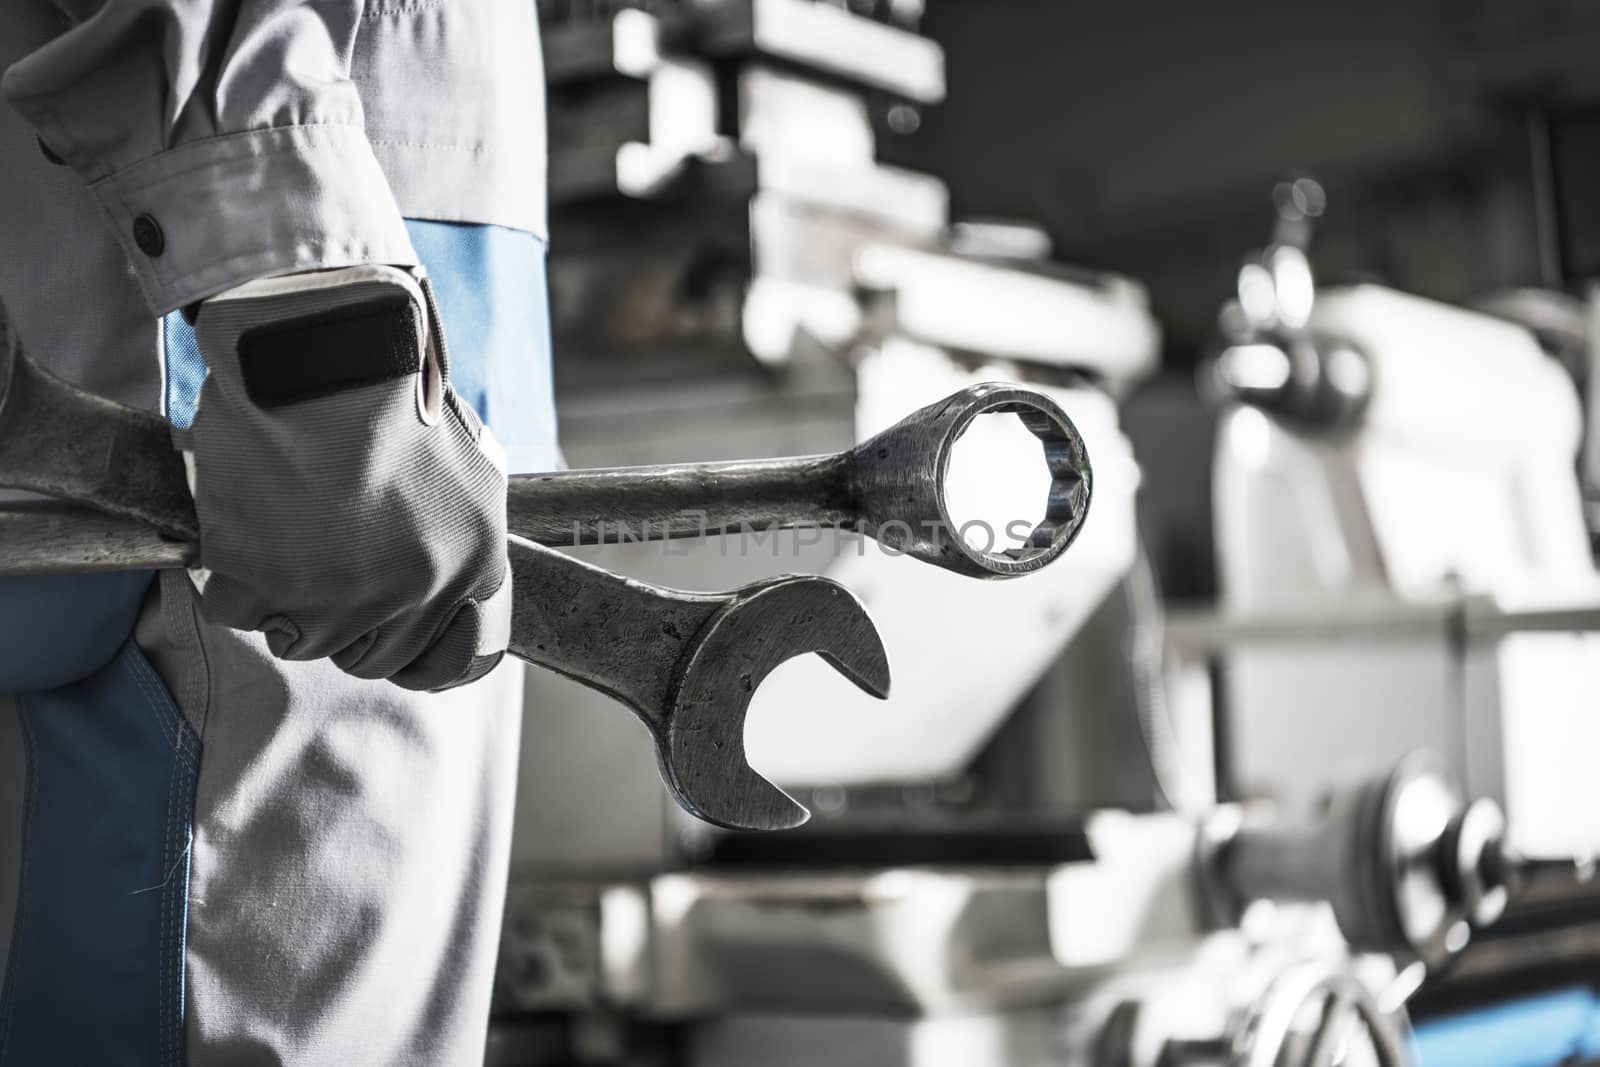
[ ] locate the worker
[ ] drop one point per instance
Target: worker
(259, 812)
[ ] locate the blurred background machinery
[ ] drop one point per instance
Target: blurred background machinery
(1289, 762)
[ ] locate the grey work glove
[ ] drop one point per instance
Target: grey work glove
(350, 505)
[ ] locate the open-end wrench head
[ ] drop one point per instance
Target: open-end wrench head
(701, 751)
(901, 475)
(63, 441)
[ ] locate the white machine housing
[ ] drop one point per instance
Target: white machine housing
(1457, 481)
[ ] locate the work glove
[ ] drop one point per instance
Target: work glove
(350, 505)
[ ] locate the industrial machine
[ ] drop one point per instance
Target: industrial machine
(670, 349)
(1405, 563)
(1038, 851)
(1398, 514)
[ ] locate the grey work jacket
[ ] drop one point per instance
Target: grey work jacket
(223, 140)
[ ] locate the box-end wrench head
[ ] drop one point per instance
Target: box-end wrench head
(688, 664)
(891, 488)
(900, 478)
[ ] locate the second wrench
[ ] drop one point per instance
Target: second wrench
(57, 439)
(890, 488)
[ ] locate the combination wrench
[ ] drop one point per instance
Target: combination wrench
(687, 664)
(58, 440)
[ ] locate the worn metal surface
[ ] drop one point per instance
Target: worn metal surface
(53, 539)
(588, 800)
(890, 488)
(688, 664)
(59, 440)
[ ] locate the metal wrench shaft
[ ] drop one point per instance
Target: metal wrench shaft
(58, 440)
(61, 441)
(47, 538)
(687, 664)
(581, 507)
(890, 488)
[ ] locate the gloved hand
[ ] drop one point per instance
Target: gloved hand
(350, 505)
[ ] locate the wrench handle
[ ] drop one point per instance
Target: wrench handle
(567, 615)
(890, 488)
(65, 442)
(619, 504)
(59, 440)
(49, 538)
(613, 634)
(566, 508)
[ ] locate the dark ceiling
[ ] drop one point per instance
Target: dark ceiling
(1147, 134)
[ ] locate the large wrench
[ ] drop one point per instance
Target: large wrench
(687, 664)
(891, 488)
(59, 440)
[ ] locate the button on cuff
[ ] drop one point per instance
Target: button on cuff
(213, 214)
(148, 236)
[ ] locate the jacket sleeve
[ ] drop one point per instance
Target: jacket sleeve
(221, 139)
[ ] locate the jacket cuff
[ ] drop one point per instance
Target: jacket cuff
(213, 214)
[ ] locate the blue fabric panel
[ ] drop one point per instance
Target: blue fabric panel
(1589, 1040)
(185, 370)
(490, 285)
(59, 628)
(96, 968)
(1538, 1031)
